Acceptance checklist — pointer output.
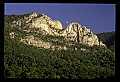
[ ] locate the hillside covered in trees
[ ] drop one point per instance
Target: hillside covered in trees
(27, 61)
(108, 38)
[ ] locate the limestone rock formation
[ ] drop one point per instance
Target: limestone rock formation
(12, 34)
(81, 34)
(58, 24)
(31, 40)
(43, 24)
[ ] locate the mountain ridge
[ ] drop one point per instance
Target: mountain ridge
(57, 57)
(44, 25)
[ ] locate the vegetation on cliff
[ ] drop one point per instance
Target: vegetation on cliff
(27, 61)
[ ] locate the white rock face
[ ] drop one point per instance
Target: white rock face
(79, 34)
(74, 31)
(40, 23)
(83, 49)
(58, 25)
(45, 22)
(12, 35)
(71, 28)
(33, 15)
(31, 40)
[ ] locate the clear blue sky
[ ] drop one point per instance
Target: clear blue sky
(97, 17)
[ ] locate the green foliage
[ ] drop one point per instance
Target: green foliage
(10, 18)
(108, 38)
(23, 61)
(50, 38)
(26, 61)
(105, 35)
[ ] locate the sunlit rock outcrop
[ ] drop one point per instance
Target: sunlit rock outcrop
(44, 25)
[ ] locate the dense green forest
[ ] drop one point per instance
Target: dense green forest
(26, 61)
(108, 38)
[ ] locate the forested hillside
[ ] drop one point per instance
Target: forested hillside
(27, 61)
(108, 38)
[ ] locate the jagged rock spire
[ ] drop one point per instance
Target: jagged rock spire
(81, 34)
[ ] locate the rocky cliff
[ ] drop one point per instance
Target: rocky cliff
(39, 25)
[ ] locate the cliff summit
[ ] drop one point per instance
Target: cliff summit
(42, 25)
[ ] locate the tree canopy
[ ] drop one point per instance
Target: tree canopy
(26, 61)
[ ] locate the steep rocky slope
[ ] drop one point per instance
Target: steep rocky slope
(33, 52)
(37, 26)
